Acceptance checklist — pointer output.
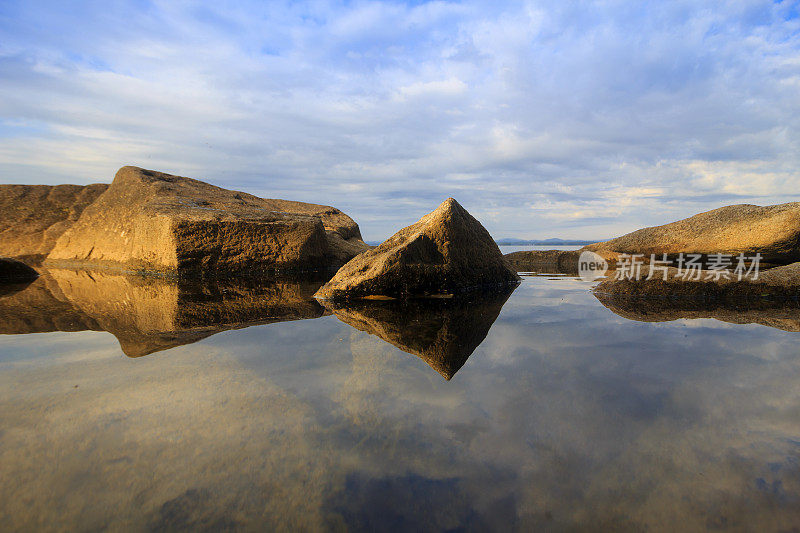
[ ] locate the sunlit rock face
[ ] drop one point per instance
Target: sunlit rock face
(773, 231)
(149, 314)
(446, 252)
(35, 216)
(441, 332)
(149, 220)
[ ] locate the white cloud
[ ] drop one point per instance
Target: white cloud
(383, 109)
(450, 86)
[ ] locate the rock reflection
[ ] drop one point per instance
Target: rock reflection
(441, 332)
(779, 315)
(148, 314)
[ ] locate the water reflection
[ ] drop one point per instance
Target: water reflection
(567, 418)
(441, 332)
(779, 315)
(11, 288)
(149, 314)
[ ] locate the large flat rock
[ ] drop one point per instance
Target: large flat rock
(446, 252)
(35, 216)
(151, 221)
(773, 231)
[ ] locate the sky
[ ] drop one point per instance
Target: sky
(544, 119)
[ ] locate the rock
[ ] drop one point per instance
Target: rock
(776, 284)
(150, 221)
(13, 271)
(342, 250)
(443, 332)
(151, 314)
(773, 231)
(446, 252)
(35, 216)
(544, 261)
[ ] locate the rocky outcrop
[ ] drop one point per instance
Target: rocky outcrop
(13, 271)
(151, 314)
(35, 216)
(544, 261)
(150, 221)
(441, 332)
(446, 252)
(776, 284)
(773, 231)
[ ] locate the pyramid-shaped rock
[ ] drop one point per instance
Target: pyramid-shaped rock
(446, 252)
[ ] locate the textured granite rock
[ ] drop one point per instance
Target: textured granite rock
(446, 252)
(773, 231)
(544, 261)
(150, 221)
(776, 284)
(35, 216)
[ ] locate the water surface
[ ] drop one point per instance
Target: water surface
(163, 408)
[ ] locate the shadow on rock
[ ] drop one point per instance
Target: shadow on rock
(442, 332)
(784, 315)
(149, 314)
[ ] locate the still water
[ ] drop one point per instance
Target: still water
(140, 405)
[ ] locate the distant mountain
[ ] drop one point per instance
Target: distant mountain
(545, 242)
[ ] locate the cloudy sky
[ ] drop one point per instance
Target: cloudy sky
(544, 119)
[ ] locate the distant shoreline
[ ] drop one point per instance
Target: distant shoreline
(546, 242)
(523, 242)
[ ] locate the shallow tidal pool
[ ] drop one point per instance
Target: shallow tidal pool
(566, 416)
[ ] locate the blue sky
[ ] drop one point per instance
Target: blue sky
(569, 119)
